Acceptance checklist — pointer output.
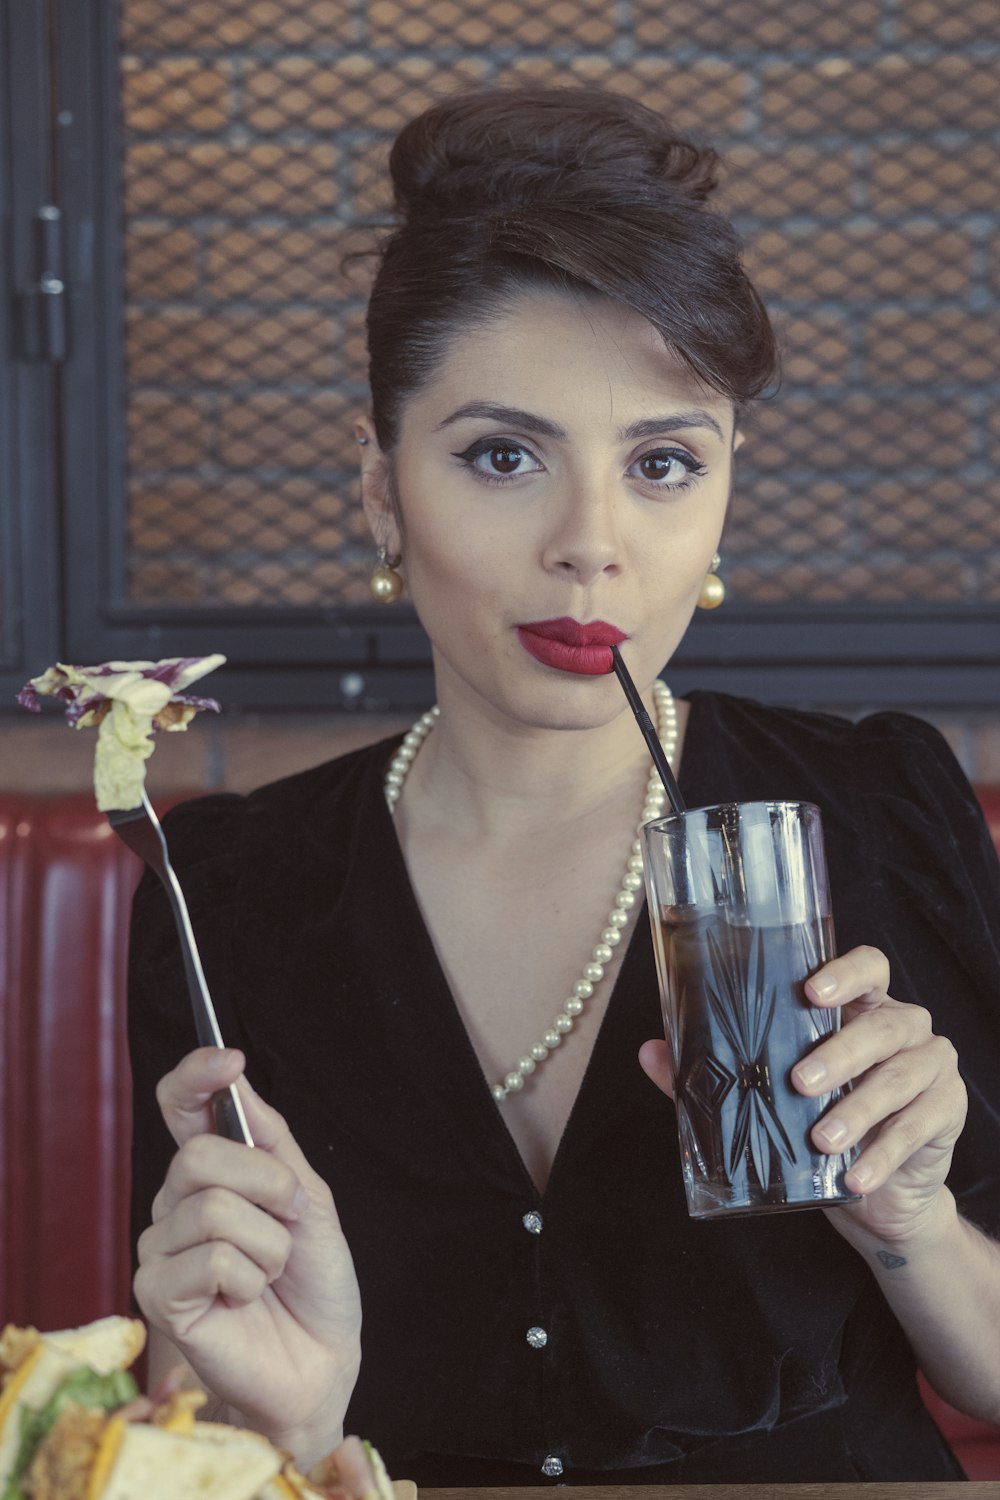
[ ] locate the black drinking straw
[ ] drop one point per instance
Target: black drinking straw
(649, 734)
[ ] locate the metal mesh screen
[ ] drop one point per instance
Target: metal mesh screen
(863, 151)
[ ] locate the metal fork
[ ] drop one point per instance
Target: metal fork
(139, 828)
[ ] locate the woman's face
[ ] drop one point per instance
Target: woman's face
(562, 483)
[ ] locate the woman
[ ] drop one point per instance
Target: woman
(563, 345)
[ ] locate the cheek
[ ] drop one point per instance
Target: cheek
(451, 570)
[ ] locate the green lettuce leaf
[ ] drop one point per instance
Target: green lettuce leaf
(85, 1388)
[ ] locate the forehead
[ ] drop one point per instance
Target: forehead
(577, 358)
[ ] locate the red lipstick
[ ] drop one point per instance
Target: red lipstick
(571, 647)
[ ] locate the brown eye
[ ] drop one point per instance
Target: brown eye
(505, 460)
(655, 465)
(497, 460)
(668, 468)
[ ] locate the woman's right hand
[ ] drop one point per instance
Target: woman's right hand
(245, 1267)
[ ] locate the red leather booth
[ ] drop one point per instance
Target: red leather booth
(65, 890)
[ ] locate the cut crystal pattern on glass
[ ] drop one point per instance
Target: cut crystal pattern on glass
(743, 998)
(707, 1084)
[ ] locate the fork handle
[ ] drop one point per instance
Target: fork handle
(227, 1113)
(226, 1116)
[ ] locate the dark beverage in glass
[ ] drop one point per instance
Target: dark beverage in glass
(739, 906)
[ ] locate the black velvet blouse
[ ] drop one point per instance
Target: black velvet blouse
(697, 1352)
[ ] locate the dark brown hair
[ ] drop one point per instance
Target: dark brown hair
(506, 191)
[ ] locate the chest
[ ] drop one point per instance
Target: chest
(514, 937)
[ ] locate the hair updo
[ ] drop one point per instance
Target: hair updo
(515, 190)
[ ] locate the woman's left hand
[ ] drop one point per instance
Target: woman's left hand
(906, 1106)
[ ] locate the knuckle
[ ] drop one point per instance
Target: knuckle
(921, 1020)
(908, 1131)
(878, 1155)
(194, 1159)
(221, 1262)
(885, 1020)
(846, 1054)
(213, 1211)
(875, 960)
(945, 1054)
(895, 1076)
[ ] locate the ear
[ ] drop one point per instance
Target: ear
(376, 489)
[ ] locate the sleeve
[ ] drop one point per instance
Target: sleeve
(204, 839)
(937, 890)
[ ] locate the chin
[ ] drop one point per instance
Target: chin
(568, 703)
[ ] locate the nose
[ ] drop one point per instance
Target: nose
(584, 540)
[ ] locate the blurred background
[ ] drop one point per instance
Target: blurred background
(181, 353)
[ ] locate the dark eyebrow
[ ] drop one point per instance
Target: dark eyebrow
(509, 416)
(526, 421)
(650, 426)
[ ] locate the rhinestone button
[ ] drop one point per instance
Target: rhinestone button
(552, 1466)
(537, 1338)
(532, 1223)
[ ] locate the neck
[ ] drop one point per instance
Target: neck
(497, 778)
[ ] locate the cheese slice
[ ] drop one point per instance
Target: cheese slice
(15, 1381)
(279, 1488)
(107, 1451)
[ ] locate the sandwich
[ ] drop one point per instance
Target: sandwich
(43, 1373)
(74, 1427)
(353, 1471)
(93, 1455)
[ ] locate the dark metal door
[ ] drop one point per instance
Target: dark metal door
(32, 344)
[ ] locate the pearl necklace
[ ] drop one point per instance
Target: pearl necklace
(618, 916)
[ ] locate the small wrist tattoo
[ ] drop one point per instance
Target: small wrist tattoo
(890, 1261)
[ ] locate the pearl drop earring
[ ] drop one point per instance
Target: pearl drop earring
(385, 583)
(713, 590)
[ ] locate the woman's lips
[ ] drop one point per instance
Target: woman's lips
(571, 647)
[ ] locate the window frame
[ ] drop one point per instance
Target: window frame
(370, 658)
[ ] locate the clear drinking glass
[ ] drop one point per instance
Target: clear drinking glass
(739, 904)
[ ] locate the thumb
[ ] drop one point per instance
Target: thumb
(654, 1059)
(185, 1094)
(270, 1133)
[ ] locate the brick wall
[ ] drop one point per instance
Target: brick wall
(863, 168)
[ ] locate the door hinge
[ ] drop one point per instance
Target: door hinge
(41, 307)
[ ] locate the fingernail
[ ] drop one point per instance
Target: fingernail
(222, 1059)
(833, 1131)
(823, 987)
(810, 1072)
(863, 1174)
